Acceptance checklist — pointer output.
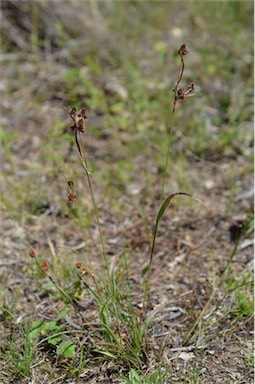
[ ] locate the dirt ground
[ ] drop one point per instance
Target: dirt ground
(195, 243)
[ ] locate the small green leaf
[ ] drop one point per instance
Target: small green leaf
(66, 348)
(105, 353)
(50, 326)
(161, 212)
(166, 203)
(62, 313)
(36, 328)
(54, 340)
(148, 319)
(154, 377)
(134, 377)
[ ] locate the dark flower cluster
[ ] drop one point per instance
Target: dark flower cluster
(179, 92)
(78, 118)
(183, 50)
(70, 184)
(44, 266)
(83, 271)
(71, 196)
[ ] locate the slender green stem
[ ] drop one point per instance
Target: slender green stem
(76, 331)
(213, 312)
(82, 226)
(201, 315)
(85, 166)
(146, 286)
(62, 292)
(232, 254)
(170, 133)
(168, 153)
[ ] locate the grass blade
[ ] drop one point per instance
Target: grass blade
(160, 214)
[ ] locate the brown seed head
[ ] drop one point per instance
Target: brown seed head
(78, 118)
(180, 94)
(73, 112)
(44, 266)
(78, 264)
(80, 125)
(183, 50)
(72, 197)
(83, 112)
(32, 253)
(70, 183)
(191, 87)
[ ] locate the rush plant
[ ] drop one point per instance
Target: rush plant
(120, 333)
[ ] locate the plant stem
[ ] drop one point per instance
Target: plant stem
(201, 315)
(85, 166)
(149, 267)
(168, 153)
(170, 133)
(61, 291)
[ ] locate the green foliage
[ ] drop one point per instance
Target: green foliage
(94, 65)
(80, 86)
(62, 36)
(243, 290)
(245, 303)
(140, 378)
(21, 356)
(238, 304)
(6, 138)
(66, 348)
(121, 329)
(52, 332)
(17, 347)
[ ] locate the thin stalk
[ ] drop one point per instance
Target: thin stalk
(214, 311)
(230, 259)
(85, 166)
(146, 287)
(63, 333)
(170, 133)
(90, 272)
(194, 326)
(162, 190)
(76, 210)
(232, 254)
(61, 291)
(83, 234)
(179, 78)
(168, 153)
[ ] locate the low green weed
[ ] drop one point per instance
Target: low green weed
(53, 333)
(139, 378)
(17, 347)
(216, 319)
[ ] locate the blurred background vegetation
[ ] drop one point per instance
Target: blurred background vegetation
(119, 58)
